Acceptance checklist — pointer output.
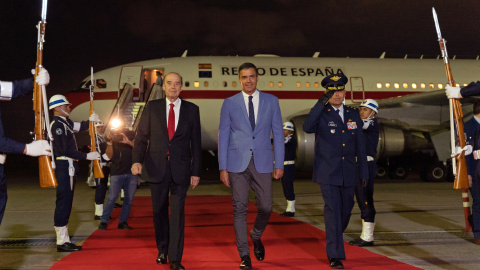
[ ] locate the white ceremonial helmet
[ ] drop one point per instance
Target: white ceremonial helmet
(57, 100)
(288, 126)
(370, 103)
(99, 123)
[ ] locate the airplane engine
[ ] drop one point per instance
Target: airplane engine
(393, 142)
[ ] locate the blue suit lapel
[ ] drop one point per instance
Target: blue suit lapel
(262, 107)
(241, 103)
(331, 111)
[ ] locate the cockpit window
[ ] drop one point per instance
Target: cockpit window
(100, 83)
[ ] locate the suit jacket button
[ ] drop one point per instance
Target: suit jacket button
(254, 138)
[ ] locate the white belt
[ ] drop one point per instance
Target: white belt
(290, 162)
(71, 169)
(370, 158)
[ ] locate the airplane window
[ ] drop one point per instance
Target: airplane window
(101, 83)
(464, 84)
(387, 85)
(205, 83)
(196, 84)
(225, 84)
(280, 84)
(414, 85)
(317, 85)
(187, 84)
(405, 85)
(422, 85)
(396, 85)
(440, 86)
(270, 84)
(379, 85)
(432, 85)
(234, 83)
(299, 84)
(307, 85)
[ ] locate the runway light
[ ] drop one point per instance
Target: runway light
(115, 123)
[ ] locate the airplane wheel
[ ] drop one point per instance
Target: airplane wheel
(381, 172)
(436, 173)
(399, 173)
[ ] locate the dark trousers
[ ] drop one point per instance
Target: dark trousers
(101, 189)
(169, 234)
(337, 211)
(475, 192)
(3, 193)
(240, 183)
(365, 195)
(63, 204)
(287, 182)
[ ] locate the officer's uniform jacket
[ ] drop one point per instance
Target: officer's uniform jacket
(64, 144)
(470, 127)
(11, 90)
(339, 147)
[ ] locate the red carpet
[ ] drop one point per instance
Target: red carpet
(210, 242)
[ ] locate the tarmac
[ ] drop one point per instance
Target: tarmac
(418, 223)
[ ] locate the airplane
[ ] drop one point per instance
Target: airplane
(413, 114)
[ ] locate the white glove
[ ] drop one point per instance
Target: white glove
(38, 148)
(366, 123)
(93, 156)
(468, 150)
(453, 91)
(93, 117)
(43, 78)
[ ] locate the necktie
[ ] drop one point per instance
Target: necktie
(171, 122)
(251, 113)
(338, 111)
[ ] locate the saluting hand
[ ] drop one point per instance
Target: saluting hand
(224, 178)
(136, 169)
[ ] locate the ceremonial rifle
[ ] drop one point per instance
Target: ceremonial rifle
(97, 167)
(460, 166)
(42, 121)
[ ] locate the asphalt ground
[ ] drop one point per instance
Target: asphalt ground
(418, 223)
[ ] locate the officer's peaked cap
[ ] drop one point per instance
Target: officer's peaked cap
(335, 82)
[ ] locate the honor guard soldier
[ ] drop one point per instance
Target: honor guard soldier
(101, 183)
(289, 169)
(471, 128)
(8, 91)
(364, 194)
(340, 160)
(66, 157)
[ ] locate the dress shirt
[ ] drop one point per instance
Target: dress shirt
(255, 101)
(477, 119)
(176, 109)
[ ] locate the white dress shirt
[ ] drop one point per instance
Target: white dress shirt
(176, 110)
(255, 101)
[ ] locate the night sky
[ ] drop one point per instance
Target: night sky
(102, 34)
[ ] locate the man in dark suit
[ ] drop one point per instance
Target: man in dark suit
(340, 160)
(245, 157)
(168, 144)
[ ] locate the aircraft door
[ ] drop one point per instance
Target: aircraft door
(357, 92)
(131, 75)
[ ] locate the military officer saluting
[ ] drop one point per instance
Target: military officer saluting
(340, 160)
(66, 160)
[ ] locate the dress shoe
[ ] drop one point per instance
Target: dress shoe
(359, 242)
(477, 241)
(102, 226)
(97, 217)
(161, 258)
(288, 214)
(336, 264)
(176, 266)
(246, 262)
(124, 226)
(68, 247)
(259, 250)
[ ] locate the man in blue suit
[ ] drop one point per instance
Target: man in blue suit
(340, 156)
(245, 157)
